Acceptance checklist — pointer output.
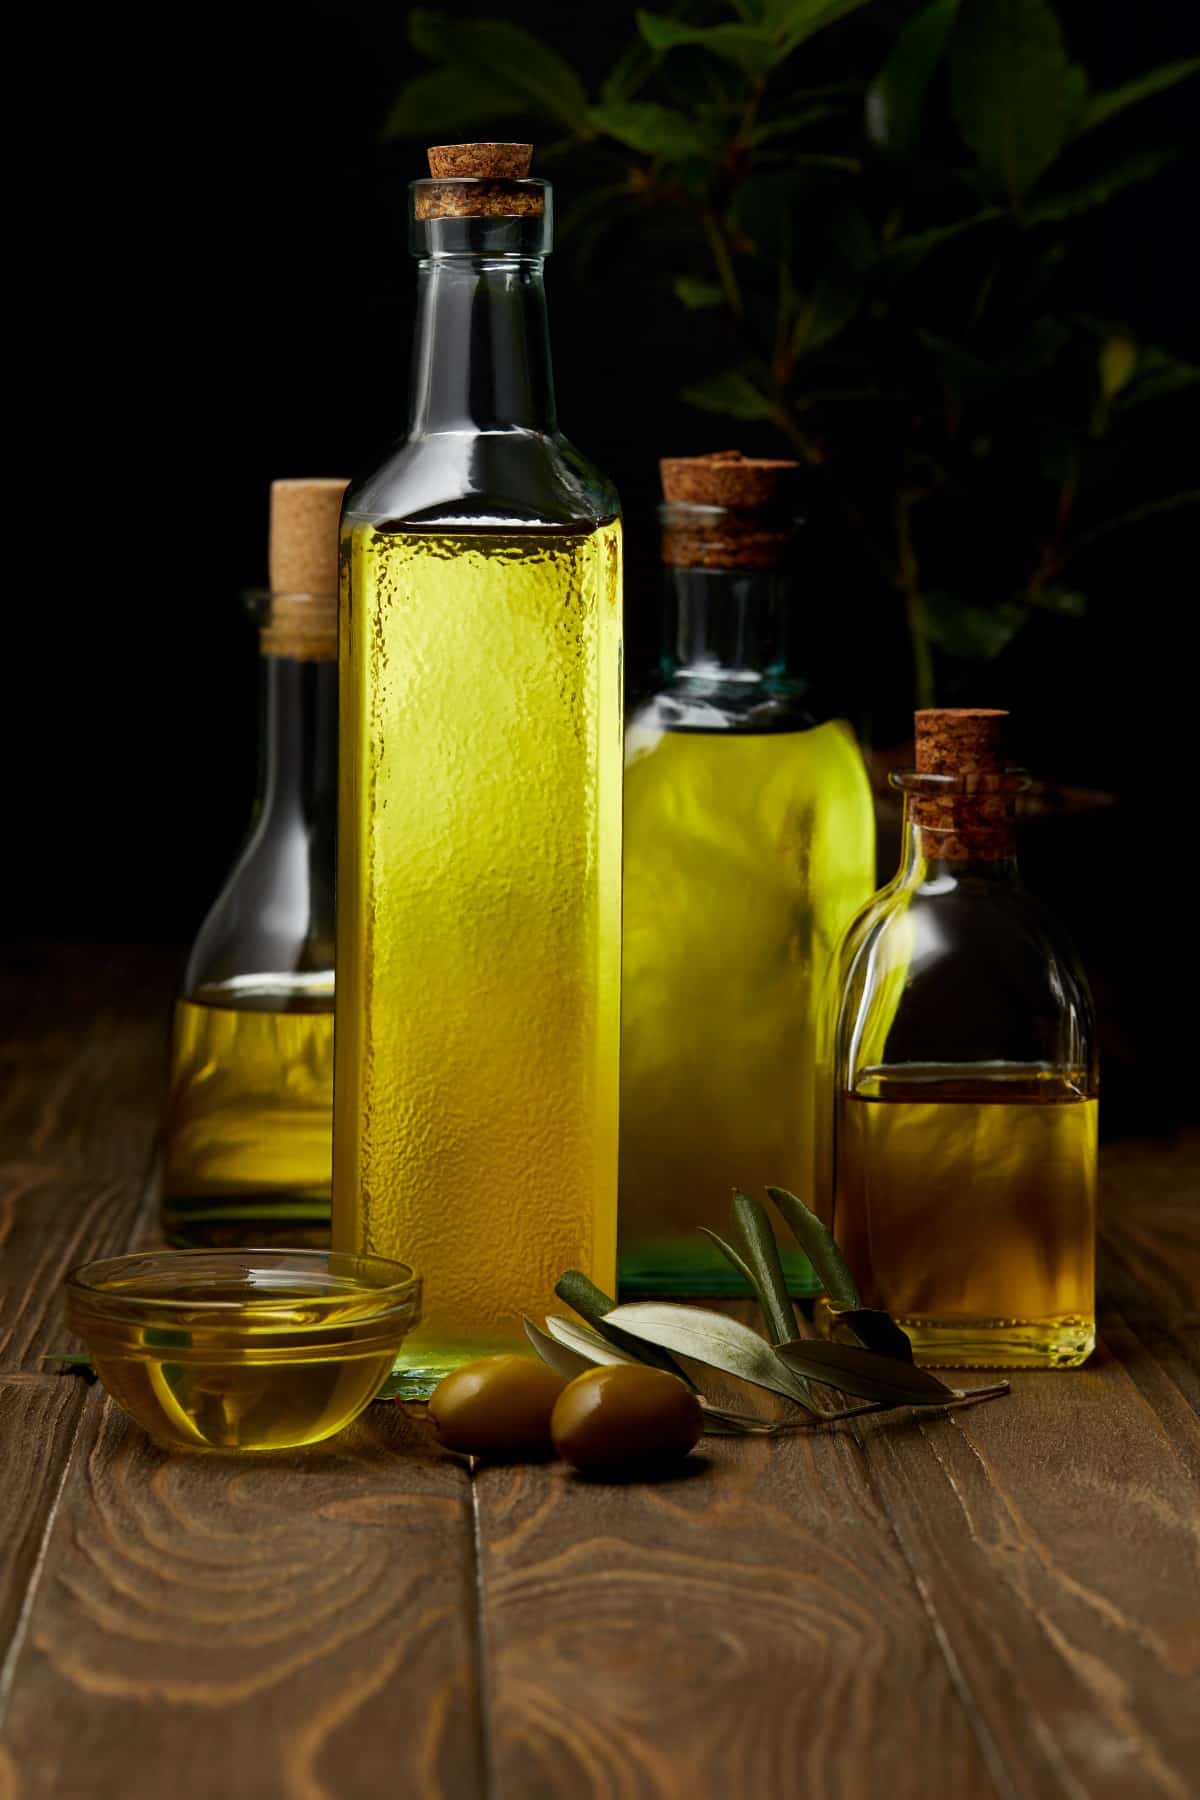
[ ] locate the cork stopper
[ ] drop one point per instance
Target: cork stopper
(727, 478)
(494, 172)
(755, 523)
(972, 819)
(961, 740)
(302, 616)
(479, 162)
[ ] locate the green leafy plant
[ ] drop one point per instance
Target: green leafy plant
(878, 270)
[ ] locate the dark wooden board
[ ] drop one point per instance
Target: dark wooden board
(302, 1624)
(748, 1628)
(81, 1082)
(1001, 1603)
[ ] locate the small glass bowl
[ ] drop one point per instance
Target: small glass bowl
(243, 1350)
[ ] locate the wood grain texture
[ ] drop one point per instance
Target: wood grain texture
(301, 1625)
(1000, 1604)
(1055, 1540)
(747, 1628)
(81, 1071)
(39, 1418)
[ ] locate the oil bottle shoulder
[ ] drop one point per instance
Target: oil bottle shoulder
(732, 707)
(995, 935)
(512, 478)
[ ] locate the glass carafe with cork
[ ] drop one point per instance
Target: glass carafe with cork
(966, 1121)
(479, 825)
(247, 1133)
(749, 844)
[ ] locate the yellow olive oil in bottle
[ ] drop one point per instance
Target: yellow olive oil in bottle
(749, 844)
(966, 1122)
(480, 802)
(248, 1127)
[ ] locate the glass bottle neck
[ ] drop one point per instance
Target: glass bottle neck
(298, 758)
(481, 354)
(726, 623)
(924, 861)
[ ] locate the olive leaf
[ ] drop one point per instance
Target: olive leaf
(718, 1342)
(561, 1357)
(593, 1304)
(863, 1372)
(564, 1343)
(874, 1330)
(819, 1245)
(761, 1253)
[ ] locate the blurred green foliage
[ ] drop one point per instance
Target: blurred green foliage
(878, 269)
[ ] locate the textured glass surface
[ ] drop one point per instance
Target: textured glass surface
(745, 855)
(475, 1130)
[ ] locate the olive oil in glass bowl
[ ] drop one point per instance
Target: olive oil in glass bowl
(243, 1350)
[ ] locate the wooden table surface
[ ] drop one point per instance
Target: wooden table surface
(1002, 1601)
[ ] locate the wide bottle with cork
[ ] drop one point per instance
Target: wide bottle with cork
(966, 1120)
(749, 844)
(479, 825)
(247, 1133)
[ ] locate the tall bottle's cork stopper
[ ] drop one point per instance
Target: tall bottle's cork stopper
(302, 620)
(972, 816)
(478, 181)
(757, 497)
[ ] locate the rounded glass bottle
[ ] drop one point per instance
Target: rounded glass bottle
(248, 1126)
(749, 842)
(966, 1113)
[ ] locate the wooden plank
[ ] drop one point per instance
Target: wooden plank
(748, 1627)
(1149, 1257)
(302, 1626)
(1055, 1540)
(39, 1417)
(80, 1090)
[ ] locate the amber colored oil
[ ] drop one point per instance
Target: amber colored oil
(247, 1150)
(745, 856)
(965, 1206)
(187, 1387)
(479, 918)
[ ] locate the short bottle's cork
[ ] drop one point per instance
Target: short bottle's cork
(479, 181)
(973, 820)
(961, 740)
(755, 524)
(302, 616)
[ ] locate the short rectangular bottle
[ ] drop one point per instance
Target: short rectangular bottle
(966, 1113)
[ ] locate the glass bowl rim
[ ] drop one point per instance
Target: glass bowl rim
(85, 1287)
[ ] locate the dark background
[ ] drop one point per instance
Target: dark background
(216, 261)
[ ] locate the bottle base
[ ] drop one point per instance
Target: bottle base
(680, 1270)
(420, 1366)
(264, 1223)
(1061, 1343)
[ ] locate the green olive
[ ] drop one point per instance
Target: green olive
(624, 1418)
(498, 1406)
